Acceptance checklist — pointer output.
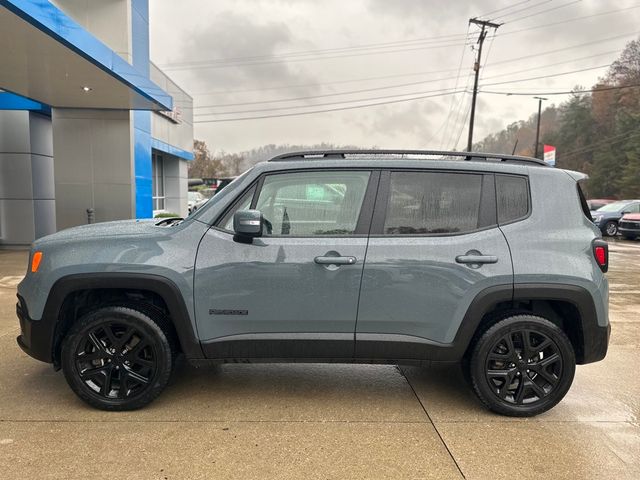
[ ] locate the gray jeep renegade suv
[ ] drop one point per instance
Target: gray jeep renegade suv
(402, 257)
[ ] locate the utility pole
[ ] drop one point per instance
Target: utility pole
(537, 147)
(484, 24)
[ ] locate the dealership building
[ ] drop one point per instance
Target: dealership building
(89, 127)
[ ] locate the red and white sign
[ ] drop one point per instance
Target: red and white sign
(550, 155)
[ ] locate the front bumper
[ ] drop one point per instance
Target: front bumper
(628, 228)
(36, 336)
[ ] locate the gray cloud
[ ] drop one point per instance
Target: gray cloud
(196, 30)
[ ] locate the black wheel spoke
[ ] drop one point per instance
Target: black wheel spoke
(92, 372)
(523, 367)
(113, 341)
(547, 361)
(95, 341)
(520, 390)
(550, 378)
(106, 386)
(108, 368)
(126, 336)
(136, 377)
(90, 357)
(539, 391)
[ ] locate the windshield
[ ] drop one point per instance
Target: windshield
(613, 207)
(229, 189)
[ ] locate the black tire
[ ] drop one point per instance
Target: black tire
(611, 228)
(119, 357)
(521, 379)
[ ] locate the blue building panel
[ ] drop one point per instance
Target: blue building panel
(171, 150)
(12, 101)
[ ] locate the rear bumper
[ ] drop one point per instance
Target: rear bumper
(36, 336)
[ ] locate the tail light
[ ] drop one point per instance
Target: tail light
(601, 254)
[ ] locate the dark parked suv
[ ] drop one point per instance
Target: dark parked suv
(403, 257)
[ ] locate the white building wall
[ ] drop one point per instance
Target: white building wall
(108, 20)
(94, 165)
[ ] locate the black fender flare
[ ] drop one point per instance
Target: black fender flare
(157, 284)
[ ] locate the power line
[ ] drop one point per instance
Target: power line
(438, 71)
(328, 110)
(340, 102)
(548, 76)
(603, 40)
(408, 42)
(569, 20)
(271, 109)
(501, 17)
(563, 92)
(445, 124)
(295, 60)
(607, 141)
(543, 11)
(387, 87)
(485, 15)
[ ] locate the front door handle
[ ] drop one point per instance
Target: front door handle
(324, 260)
(476, 259)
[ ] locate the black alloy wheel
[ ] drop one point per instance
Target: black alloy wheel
(522, 366)
(117, 358)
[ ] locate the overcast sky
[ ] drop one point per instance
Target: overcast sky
(246, 51)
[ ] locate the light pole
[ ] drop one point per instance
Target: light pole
(537, 147)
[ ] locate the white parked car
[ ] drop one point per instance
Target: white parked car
(196, 200)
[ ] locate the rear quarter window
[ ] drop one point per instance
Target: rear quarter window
(512, 196)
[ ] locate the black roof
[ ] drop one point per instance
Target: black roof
(468, 156)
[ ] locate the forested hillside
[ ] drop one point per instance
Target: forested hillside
(595, 132)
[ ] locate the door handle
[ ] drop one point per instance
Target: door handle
(324, 260)
(476, 259)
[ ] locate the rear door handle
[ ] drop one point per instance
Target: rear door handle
(476, 259)
(335, 260)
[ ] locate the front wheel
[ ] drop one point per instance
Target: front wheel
(118, 358)
(522, 366)
(611, 229)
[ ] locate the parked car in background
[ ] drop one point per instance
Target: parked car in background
(223, 182)
(629, 226)
(195, 201)
(596, 203)
(607, 217)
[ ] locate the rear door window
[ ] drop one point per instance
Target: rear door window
(433, 203)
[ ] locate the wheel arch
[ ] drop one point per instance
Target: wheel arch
(67, 290)
(571, 307)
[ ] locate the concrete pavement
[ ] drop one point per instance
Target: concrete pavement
(324, 421)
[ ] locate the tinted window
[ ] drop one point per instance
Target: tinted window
(512, 197)
(433, 202)
(312, 203)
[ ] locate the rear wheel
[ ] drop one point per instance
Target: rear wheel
(118, 358)
(522, 366)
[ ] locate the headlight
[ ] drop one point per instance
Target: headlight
(597, 218)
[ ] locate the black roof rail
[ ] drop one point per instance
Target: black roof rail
(469, 156)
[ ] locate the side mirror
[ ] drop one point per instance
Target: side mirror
(247, 224)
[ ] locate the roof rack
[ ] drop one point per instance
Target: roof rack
(468, 156)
